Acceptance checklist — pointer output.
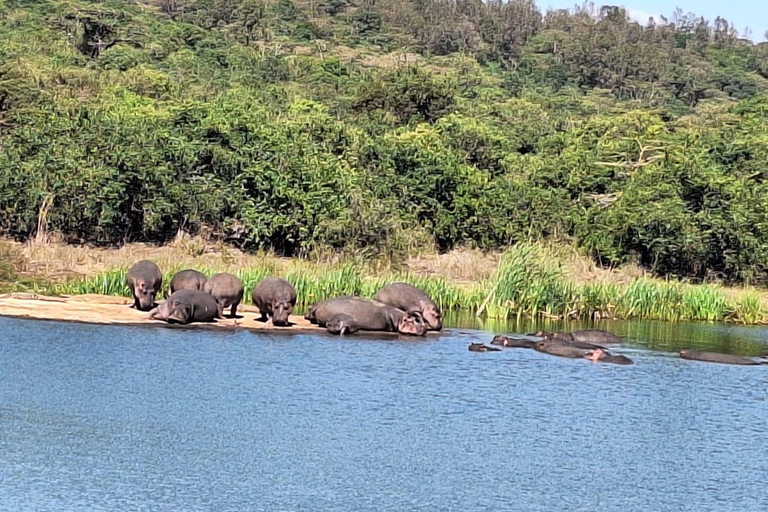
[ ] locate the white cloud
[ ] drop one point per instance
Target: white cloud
(640, 16)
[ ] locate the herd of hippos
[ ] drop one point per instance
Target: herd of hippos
(397, 307)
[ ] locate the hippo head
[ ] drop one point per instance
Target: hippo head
(145, 294)
(413, 324)
(541, 346)
(281, 310)
(432, 317)
(500, 340)
(179, 313)
(340, 324)
(595, 355)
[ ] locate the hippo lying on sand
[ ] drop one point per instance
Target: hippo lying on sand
(187, 306)
(714, 357)
(275, 298)
(365, 315)
(144, 280)
(410, 299)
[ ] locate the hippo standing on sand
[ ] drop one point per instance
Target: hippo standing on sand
(366, 315)
(409, 299)
(144, 280)
(602, 356)
(187, 280)
(227, 290)
(714, 357)
(275, 298)
(505, 341)
(187, 306)
(560, 349)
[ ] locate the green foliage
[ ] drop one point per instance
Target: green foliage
(300, 127)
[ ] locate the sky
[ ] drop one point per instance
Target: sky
(742, 13)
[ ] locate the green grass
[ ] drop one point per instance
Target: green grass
(526, 284)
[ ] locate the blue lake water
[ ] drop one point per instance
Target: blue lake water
(96, 418)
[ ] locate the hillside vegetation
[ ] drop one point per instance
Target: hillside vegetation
(386, 127)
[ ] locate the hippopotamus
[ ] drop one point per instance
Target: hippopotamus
(505, 341)
(275, 298)
(341, 324)
(714, 357)
(602, 356)
(560, 349)
(410, 299)
(367, 315)
(227, 290)
(186, 306)
(187, 280)
(592, 336)
(479, 347)
(144, 280)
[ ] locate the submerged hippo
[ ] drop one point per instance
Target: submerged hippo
(341, 324)
(410, 299)
(595, 336)
(479, 347)
(714, 357)
(505, 341)
(367, 315)
(602, 356)
(144, 280)
(275, 298)
(188, 279)
(560, 349)
(187, 306)
(227, 289)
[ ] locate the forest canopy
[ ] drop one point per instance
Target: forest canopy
(386, 126)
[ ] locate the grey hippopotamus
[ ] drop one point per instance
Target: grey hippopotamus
(408, 298)
(367, 315)
(227, 289)
(187, 306)
(508, 342)
(275, 298)
(714, 357)
(592, 336)
(188, 279)
(602, 356)
(144, 279)
(341, 324)
(479, 347)
(560, 349)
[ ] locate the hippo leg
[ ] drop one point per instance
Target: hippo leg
(233, 311)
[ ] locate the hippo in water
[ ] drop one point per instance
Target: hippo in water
(505, 341)
(367, 315)
(560, 349)
(187, 306)
(714, 357)
(227, 289)
(602, 356)
(144, 279)
(592, 336)
(188, 279)
(479, 347)
(410, 299)
(275, 298)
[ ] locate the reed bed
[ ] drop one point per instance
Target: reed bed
(526, 283)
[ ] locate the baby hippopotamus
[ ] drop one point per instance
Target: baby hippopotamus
(144, 279)
(188, 279)
(227, 289)
(714, 357)
(505, 341)
(187, 306)
(366, 315)
(410, 299)
(602, 356)
(275, 297)
(479, 347)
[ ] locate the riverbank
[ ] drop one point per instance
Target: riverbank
(536, 280)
